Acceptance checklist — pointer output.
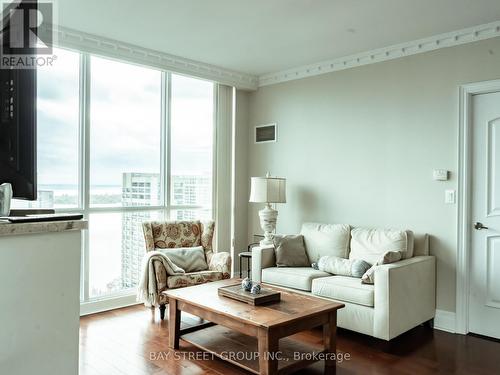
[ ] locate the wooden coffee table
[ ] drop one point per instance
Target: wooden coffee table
(249, 336)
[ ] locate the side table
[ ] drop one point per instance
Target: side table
(248, 256)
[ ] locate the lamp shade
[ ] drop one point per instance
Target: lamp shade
(268, 190)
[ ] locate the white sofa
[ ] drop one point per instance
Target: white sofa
(402, 297)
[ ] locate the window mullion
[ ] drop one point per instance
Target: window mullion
(167, 149)
(163, 140)
(84, 185)
(86, 129)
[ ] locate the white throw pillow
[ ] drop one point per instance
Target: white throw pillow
(342, 266)
(370, 244)
(326, 239)
(190, 259)
(389, 257)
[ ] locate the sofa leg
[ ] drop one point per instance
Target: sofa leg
(162, 311)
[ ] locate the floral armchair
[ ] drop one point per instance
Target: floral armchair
(175, 234)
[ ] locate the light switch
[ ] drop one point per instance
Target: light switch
(449, 196)
(440, 175)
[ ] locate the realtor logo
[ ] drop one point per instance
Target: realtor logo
(25, 36)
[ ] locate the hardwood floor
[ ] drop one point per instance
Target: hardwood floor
(134, 341)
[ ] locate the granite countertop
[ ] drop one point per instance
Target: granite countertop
(8, 229)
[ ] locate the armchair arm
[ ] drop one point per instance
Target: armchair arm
(150, 286)
(161, 276)
(405, 295)
(262, 257)
(221, 262)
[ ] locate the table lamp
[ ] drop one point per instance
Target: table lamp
(268, 190)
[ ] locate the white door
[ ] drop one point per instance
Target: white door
(484, 299)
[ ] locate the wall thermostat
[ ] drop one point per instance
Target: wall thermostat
(440, 175)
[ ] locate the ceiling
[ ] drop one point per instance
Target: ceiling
(263, 36)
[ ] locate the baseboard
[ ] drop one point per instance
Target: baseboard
(98, 306)
(445, 321)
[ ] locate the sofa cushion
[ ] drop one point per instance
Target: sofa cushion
(290, 251)
(344, 288)
(190, 259)
(292, 277)
(326, 239)
(193, 278)
(370, 244)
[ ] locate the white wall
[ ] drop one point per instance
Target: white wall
(358, 146)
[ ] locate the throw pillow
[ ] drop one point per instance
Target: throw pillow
(344, 267)
(388, 257)
(290, 251)
(191, 259)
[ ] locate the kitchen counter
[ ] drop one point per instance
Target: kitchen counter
(40, 265)
(9, 229)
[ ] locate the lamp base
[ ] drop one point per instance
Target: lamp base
(268, 218)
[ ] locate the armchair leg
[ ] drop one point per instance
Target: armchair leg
(162, 311)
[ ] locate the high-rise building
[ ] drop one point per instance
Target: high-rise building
(191, 190)
(141, 189)
(138, 189)
(144, 189)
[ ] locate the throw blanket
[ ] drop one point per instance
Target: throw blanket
(147, 291)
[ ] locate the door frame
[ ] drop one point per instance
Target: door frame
(464, 230)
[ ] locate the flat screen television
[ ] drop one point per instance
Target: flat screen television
(18, 93)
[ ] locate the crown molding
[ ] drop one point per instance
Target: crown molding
(98, 45)
(396, 51)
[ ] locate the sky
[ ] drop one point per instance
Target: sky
(125, 121)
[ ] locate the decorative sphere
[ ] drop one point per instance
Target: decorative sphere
(255, 289)
(246, 284)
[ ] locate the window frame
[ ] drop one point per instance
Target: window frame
(123, 297)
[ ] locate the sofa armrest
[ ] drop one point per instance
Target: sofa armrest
(405, 295)
(221, 262)
(262, 257)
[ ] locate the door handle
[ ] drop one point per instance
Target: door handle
(479, 226)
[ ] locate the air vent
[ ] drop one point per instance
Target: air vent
(266, 133)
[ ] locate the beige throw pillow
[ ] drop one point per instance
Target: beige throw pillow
(388, 257)
(190, 259)
(290, 251)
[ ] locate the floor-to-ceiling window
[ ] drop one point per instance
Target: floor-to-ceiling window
(122, 144)
(191, 161)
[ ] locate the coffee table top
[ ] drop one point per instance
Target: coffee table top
(293, 306)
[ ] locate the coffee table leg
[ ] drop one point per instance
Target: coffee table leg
(174, 324)
(330, 343)
(268, 348)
